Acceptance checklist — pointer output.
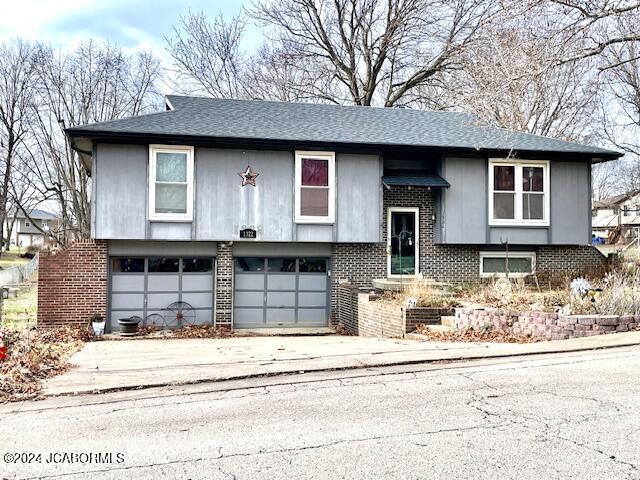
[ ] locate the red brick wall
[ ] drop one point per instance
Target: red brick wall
(72, 284)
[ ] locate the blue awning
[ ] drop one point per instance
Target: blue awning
(426, 180)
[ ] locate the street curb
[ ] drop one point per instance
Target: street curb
(295, 371)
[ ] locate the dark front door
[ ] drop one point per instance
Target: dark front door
(402, 241)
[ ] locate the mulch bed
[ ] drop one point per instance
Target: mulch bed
(474, 336)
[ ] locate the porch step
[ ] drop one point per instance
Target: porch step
(448, 320)
(439, 328)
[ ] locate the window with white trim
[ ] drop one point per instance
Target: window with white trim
(497, 264)
(170, 183)
(518, 192)
(315, 187)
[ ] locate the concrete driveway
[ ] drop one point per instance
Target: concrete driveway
(131, 364)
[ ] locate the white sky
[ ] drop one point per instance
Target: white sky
(131, 24)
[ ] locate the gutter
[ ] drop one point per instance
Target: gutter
(373, 148)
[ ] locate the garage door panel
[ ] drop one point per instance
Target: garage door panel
(161, 300)
(127, 283)
(312, 299)
(198, 300)
(249, 281)
(284, 297)
(281, 299)
(283, 316)
(281, 282)
(312, 316)
(249, 299)
(127, 300)
(197, 282)
(204, 317)
(312, 282)
(244, 317)
(163, 283)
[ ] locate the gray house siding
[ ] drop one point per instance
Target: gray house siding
(222, 207)
(464, 207)
(570, 203)
(120, 205)
(464, 204)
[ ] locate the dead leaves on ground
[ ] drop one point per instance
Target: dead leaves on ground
(473, 336)
(34, 355)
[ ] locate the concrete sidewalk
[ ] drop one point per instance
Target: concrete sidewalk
(133, 364)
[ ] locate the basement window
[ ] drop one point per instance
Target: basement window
(171, 183)
(497, 264)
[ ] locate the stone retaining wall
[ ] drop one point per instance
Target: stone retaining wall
(547, 326)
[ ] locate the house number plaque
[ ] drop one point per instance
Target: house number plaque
(247, 233)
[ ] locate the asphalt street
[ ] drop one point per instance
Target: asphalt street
(569, 416)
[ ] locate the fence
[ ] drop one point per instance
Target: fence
(19, 273)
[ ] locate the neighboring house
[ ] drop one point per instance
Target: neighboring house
(254, 211)
(617, 218)
(27, 229)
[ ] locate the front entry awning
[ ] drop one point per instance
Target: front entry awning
(415, 180)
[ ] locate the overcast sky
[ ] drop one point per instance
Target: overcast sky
(131, 24)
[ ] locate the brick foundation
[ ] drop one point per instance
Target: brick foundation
(72, 284)
(545, 326)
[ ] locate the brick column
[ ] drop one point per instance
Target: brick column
(224, 284)
(72, 284)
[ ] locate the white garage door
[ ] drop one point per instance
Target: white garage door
(281, 292)
(143, 286)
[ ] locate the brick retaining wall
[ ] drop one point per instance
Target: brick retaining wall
(72, 284)
(361, 313)
(547, 326)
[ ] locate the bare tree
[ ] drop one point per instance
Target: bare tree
(510, 80)
(373, 51)
(16, 92)
(91, 84)
(591, 28)
(207, 56)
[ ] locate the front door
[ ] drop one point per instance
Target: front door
(402, 241)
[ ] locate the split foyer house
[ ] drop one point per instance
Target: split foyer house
(253, 211)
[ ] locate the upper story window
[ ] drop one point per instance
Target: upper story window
(315, 187)
(518, 192)
(170, 183)
(27, 223)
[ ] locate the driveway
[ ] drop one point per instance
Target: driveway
(131, 364)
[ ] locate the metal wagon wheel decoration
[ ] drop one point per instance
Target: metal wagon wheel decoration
(179, 314)
(154, 320)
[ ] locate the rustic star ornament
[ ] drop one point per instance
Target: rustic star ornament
(248, 177)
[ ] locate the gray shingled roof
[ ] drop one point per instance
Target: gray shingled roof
(318, 123)
(37, 214)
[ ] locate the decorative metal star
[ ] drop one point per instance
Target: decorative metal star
(248, 177)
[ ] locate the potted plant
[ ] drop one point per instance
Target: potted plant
(97, 324)
(129, 326)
